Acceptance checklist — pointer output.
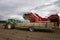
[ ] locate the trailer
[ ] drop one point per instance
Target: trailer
(39, 26)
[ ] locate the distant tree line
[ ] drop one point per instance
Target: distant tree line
(2, 21)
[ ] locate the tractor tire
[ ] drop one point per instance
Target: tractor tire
(9, 26)
(31, 29)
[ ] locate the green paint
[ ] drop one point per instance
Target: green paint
(36, 28)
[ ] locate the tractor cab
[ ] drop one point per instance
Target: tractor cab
(12, 21)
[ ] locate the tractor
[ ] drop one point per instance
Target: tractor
(10, 23)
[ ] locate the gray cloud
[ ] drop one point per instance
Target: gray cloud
(40, 7)
(57, 3)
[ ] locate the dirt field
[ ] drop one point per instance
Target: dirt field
(15, 34)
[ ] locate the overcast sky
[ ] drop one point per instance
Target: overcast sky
(16, 8)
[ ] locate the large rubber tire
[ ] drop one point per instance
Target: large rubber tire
(9, 26)
(31, 29)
